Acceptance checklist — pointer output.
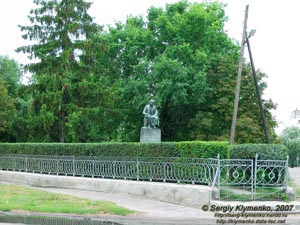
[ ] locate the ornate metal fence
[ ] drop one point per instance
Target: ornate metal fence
(234, 177)
(230, 179)
(238, 179)
(270, 179)
(195, 171)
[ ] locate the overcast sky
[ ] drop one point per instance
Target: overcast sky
(275, 45)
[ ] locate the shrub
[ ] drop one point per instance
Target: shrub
(193, 149)
(264, 151)
(201, 149)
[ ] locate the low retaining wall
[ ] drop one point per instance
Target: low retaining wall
(183, 194)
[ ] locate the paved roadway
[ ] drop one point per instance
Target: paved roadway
(156, 212)
(295, 174)
(149, 211)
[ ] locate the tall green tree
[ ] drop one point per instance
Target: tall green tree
(7, 110)
(10, 76)
(289, 134)
(91, 84)
(184, 58)
(169, 56)
(249, 125)
(60, 30)
(214, 119)
(10, 71)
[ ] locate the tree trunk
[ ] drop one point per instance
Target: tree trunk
(62, 127)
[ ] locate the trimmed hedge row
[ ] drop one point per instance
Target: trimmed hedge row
(264, 151)
(189, 149)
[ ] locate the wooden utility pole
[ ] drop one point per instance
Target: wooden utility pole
(239, 78)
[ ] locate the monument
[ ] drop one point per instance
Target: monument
(150, 131)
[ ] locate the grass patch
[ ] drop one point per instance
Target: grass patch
(262, 193)
(231, 195)
(15, 197)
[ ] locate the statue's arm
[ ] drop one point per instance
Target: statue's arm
(156, 112)
(145, 111)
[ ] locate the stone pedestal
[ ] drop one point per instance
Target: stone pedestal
(150, 135)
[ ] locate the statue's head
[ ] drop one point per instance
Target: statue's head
(151, 102)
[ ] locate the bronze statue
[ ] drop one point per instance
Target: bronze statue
(150, 115)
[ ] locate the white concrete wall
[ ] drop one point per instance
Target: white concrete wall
(183, 194)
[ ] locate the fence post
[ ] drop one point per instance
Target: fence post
(254, 177)
(286, 172)
(93, 168)
(114, 169)
(73, 165)
(26, 163)
(15, 163)
(219, 177)
(165, 173)
(57, 166)
(137, 170)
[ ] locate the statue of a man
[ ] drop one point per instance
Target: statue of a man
(150, 115)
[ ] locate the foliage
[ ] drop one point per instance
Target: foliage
(7, 109)
(10, 75)
(90, 84)
(26, 199)
(167, 149)
(200, 149)
(293, 151)
(183, 57)
(264, 151)
(10, 71)
(169, 56)
(291, 133)
(290, 137)
(213, 121)
(60, 30)
(249, 124)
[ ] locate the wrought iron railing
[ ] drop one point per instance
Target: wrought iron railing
(229, 179)
(252, 179)
(195, 171)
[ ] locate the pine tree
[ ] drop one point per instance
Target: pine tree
(60, 30)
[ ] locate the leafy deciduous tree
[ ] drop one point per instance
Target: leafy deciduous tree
(7, 110)
(91, 85)
(10, 71)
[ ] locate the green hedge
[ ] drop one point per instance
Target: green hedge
(188, 149)
(264, 151)
(193, 149)
(199, 149)
(294, 152)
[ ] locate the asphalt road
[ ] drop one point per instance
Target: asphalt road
(162, 213)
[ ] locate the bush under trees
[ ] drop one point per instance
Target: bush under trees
(195, 149)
